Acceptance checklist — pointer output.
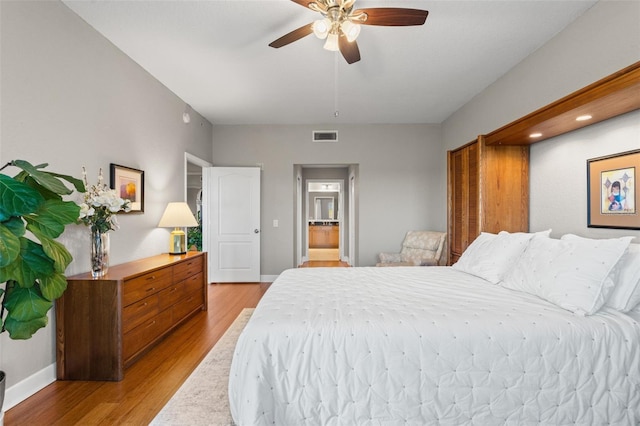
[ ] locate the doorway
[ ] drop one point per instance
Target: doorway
(325, 224)
(193, 196)
(325, 212)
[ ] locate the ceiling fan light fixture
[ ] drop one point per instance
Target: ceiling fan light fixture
(350, 30)
(321, 28)
(332, 42)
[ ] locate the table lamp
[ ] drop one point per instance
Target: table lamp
(177, 215)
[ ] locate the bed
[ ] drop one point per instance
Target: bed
(430, 345)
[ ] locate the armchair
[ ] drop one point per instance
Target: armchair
(419, 248)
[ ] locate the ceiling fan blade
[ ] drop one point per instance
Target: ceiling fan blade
(311, 4)
(294, 35)
(390, 16)
(303, 3)
(349, 49)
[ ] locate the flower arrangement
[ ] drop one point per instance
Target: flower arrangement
(100, 205)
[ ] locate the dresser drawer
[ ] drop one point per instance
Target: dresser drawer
(187, 268)
(190, 303)
(145, 285)
(170, 295)
(141, 336)
(193, 283)
(139, 312)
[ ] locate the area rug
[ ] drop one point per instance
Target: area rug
(203, 397)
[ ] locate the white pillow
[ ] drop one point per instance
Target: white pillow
(626, 293)
(491, 256)
(571, 273)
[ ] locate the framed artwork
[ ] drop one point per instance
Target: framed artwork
(612, 191)
(129, 183)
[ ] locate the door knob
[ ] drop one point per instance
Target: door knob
(256, 231)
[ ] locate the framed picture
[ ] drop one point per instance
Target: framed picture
(612, 191)
(129, 183)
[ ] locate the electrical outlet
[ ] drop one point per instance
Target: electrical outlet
(275, 223)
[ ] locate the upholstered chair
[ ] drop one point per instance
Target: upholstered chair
(419, 248)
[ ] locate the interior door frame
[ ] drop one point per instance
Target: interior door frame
(197, 161)
(341, 217)
(301, 223)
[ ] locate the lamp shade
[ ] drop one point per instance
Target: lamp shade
(177, 215)
(332, 42)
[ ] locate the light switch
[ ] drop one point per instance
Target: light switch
(275, 223)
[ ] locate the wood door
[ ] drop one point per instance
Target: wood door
(464, 203)
(231, 210)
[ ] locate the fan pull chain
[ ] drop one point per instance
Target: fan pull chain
(336, 111)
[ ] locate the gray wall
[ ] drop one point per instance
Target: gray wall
(70, 98)
(602, 41)
(402, 180)
(559, 175)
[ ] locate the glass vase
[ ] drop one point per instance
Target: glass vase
(99, 253)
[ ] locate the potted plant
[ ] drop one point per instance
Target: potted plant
(194, 234)
(32, 264)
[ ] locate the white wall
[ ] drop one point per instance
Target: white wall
(402, 180)
(602, 41)
(70, 98)
(559, 175)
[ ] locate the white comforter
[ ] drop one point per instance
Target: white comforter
(395, 346)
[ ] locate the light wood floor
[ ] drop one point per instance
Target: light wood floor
(325, 264)
(149, 383)
(324, 254)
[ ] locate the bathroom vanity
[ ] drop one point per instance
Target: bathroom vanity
(324, 234)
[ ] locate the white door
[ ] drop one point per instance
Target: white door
(231, 211)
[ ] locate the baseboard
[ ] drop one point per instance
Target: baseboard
(29, 386)
(268, 278)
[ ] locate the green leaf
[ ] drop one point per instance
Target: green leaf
(16, 226)
(17, 199)
(46, 194)
(78, 184)
(31, 264)
(52, 287)
(55, 251)
(51, 218)
(45, 179)
(26, 312)
(9, 246)
(24, 330)
(26, 304)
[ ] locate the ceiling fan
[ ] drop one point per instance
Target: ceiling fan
(340, 24)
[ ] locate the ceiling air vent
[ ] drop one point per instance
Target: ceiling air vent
(325, 136)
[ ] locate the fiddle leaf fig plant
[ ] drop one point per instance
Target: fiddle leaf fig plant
(32, 263)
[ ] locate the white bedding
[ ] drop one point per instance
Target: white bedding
(429, 345)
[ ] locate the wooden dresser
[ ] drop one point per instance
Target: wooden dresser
(488, 190)
(104, 325)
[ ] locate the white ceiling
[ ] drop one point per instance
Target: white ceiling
(214, 55)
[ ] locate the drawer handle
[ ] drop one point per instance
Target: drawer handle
(152, 277)
(174, 289)
(143, 305)
(150, 289)
(152, 324)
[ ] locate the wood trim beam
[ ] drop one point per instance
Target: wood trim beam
(614, 95)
